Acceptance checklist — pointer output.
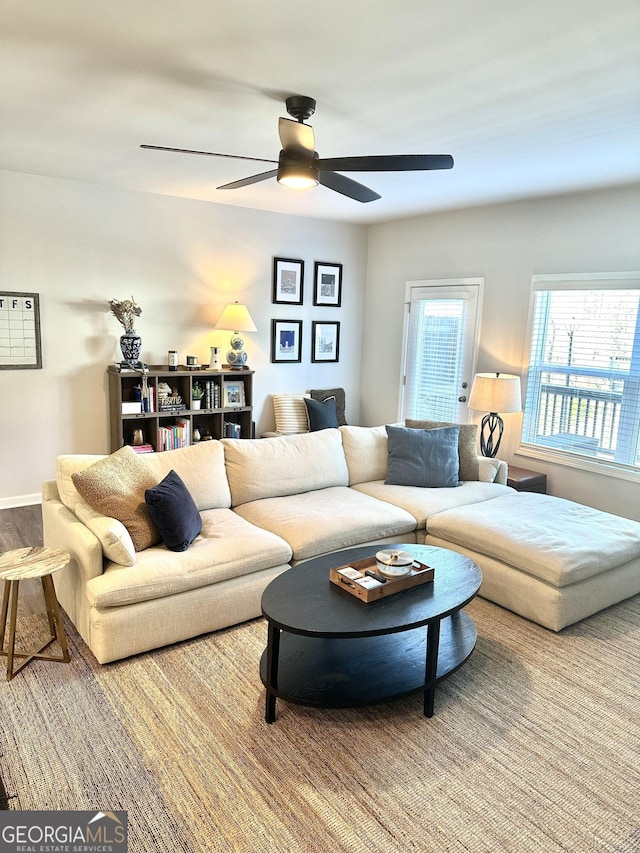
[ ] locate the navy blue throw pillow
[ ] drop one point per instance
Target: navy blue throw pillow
(174, 512)
(321, 414)
(423, 457)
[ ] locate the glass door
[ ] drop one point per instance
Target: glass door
(440, 346)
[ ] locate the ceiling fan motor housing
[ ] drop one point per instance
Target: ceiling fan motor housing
(300, 107)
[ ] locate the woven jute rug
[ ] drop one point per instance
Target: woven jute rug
(534, 746)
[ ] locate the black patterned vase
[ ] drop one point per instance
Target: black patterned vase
(130, 344)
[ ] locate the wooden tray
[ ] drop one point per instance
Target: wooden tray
(421, 573)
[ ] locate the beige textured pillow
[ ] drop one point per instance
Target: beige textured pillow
(467, 452)
(115, 487)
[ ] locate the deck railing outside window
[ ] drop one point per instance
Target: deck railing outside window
(583, 388)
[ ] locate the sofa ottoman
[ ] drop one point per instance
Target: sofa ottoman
(548, 559)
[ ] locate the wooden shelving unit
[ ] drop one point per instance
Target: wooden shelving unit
(210, 420)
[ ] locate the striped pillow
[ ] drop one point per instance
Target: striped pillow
(290, 413)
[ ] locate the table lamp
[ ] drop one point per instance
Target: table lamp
(236, 318)
(493, 393)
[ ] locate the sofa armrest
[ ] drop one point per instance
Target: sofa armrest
(63, 530)
(492, 470)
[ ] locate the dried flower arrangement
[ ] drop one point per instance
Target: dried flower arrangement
(125, 312)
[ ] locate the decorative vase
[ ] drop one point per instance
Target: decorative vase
(195, 404)
(130, 344)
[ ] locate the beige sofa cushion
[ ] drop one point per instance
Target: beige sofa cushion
(228, 547)
(285, 465)
(115, 486)
(365, 449)
(555, 540)
(423, 504)
(326, 520)
(201, 469)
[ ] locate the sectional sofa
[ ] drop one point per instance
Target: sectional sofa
(268, 504)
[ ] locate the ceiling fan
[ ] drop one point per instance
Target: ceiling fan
(299, 166)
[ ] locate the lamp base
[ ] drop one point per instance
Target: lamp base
(489, 442)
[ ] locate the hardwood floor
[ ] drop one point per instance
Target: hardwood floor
(21, 527)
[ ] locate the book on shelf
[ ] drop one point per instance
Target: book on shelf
(231, 430)
(174, 436)
(143, 448)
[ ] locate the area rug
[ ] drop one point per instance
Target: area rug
(533, 747)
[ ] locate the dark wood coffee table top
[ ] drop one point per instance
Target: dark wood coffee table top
(302, 600)
(328, 649)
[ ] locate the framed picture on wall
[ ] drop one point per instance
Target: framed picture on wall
(286, 341)
(20, 346)
(288, 281)
(327, 284)
(325, 341)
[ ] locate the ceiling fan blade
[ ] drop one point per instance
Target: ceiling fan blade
(205, 153)
(295, 136)
(245, 182)
(387, 163)
(347, 187)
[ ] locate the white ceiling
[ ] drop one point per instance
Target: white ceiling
(530, 97)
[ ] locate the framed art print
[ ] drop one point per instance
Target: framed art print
(286, 341)
(327, 284)
(288, 281)
(325, 341)
(232, 394)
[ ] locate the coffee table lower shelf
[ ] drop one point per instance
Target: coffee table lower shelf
(357, 671)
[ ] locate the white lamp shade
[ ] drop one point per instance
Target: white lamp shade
(236, 318)
(496, 392)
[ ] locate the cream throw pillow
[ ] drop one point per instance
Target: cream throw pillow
(114, 537)
(290, 413)
(467, 439)
(115, 487)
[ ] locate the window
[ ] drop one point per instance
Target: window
(583, 387)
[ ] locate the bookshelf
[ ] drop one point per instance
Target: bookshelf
(172, 420)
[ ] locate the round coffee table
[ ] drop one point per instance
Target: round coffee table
(328, 649)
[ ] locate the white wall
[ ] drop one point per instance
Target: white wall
(507, 244)
(79, 245)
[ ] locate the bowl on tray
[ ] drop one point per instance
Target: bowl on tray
(393, 563)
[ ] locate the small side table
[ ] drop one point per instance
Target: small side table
(523, 480)
(20, 565)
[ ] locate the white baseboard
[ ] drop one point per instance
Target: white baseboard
(20, 500)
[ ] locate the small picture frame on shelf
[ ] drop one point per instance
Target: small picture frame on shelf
(327, 284)
(286, 341)
(288, 281)
(233, 394)
(325, 341)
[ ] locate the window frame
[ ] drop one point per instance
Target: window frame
(564, 282)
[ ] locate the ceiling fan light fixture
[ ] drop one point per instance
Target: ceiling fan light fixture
(298, 176)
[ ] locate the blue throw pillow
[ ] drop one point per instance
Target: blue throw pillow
(321, 414)
(423, 457)
(174, 512)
